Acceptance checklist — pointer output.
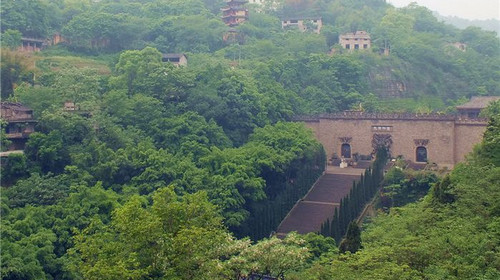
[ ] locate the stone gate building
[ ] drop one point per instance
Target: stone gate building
(421, 138)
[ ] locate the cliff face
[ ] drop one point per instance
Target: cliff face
(395, 78)
(385, 84)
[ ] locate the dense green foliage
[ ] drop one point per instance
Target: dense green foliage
(14, 69)
(160, 169)
(423, 69)
(403, 185)
(132, 136)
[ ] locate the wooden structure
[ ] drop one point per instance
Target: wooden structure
(20, 123)
(31, 44)
(234, 13)
(37, 44)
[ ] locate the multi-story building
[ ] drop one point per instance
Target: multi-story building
(359, 40)
(234, 13)
(20, 123)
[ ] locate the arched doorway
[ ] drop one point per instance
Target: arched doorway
(382, 141)
(421, 154)
(345, 150)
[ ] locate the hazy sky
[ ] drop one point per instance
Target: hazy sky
(469, 9)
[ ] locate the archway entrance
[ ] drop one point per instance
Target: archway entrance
(382, 141)
(421, 154)
(345, 150)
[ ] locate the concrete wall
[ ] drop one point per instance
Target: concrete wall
(301, 24)
(359, 38)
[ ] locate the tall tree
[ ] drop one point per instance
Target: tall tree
(352, 240)
(15, 69)
(176, 237)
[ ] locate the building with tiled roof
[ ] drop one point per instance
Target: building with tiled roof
(472, 108)
(20, 123)
(177, 59)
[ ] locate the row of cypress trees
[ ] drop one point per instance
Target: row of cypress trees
(283, 191)
(352, 204)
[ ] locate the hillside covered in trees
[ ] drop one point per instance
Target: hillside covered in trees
(423, 69)
(164, 172)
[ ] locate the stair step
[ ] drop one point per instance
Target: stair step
(318, 205)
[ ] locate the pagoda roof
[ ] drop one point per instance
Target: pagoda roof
(233, 9)
(234, 16)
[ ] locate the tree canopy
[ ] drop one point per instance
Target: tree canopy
(166, 172)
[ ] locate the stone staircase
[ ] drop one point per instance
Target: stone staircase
(320, 202)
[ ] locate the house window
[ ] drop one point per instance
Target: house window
(345, 150)
(293, 21)
(365, 46)
(347, 46)
(356, 46)
(421, 154)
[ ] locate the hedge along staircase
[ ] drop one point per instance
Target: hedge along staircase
(320, 202)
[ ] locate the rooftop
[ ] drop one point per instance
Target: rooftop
(357, 34)
(34, 40)
(479, 102)
(173, 55)
(236, 1)
(15, 112)
(14, 106)
(301, 18)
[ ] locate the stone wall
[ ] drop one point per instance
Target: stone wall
(467, 135)
(446, 139)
